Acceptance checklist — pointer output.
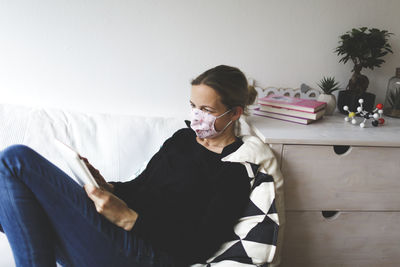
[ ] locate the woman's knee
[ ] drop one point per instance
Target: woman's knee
(12, 154)
(16, 150)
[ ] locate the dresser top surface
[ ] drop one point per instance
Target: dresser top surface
(330, 130)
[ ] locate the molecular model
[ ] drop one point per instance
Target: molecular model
(376, 114)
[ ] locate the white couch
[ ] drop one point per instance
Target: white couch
(118, 145)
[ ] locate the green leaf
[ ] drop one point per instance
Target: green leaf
(328, 85)
(364, 46)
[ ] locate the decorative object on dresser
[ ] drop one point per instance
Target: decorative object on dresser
(376, 115)
(304, 91)
(293, 109)
(365, 48)
(392, 101)
(328, 85)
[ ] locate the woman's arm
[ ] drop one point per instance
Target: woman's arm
(114, 199)
(97, 176)
(123, 190)
(112, 207)
(224, 209)
(129, 191)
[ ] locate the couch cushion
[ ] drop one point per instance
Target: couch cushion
(115, 144)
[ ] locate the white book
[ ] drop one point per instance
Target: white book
(81, 174)
(292, 112)
(259, 112)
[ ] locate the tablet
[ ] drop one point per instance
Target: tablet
(81, 173)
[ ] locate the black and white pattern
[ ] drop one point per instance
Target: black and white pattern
(256, 233)
(257, 230)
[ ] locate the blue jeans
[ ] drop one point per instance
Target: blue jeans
(47, 217)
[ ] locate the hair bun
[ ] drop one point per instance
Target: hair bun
(252, 95)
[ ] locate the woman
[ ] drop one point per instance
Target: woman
(176, 213)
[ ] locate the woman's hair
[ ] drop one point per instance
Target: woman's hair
(231, 84)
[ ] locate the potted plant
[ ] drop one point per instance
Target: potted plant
(365, 48)
(328, 85)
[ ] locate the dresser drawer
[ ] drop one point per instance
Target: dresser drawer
(363, 178)
(347, 239)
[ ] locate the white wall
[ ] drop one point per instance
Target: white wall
(138, 56)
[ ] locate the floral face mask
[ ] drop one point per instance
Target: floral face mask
(203, 123)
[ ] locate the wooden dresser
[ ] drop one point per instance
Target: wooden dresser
(342, 190)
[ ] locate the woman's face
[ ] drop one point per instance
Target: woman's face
(205, 98)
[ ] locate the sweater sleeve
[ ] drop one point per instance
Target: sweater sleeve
(223, 211)
(129, 191)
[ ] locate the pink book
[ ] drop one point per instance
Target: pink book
(259, 112)
(308, 105)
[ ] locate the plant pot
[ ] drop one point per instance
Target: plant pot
(350, 99)
(330, 103)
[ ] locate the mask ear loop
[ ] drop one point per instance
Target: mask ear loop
(226, 112)
(226, 126)
(229, 123)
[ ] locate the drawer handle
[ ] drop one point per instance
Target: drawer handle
(330, 214)
(340, 150)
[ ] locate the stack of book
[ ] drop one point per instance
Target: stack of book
(303, 111)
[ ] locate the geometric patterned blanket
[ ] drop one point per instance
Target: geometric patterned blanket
(259, 231)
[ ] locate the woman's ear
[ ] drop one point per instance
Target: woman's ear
(237, 112)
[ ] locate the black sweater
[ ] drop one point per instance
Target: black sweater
(187, 199)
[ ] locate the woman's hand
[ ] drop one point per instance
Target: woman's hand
(112, 207)
(98, 177)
